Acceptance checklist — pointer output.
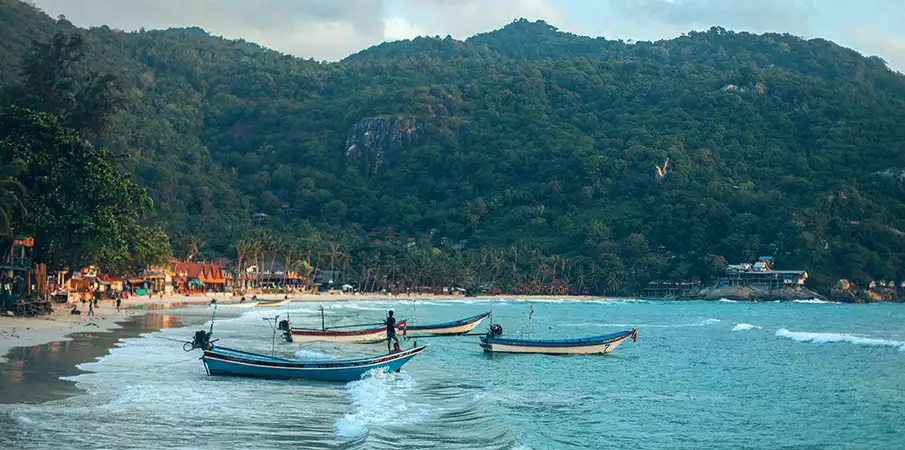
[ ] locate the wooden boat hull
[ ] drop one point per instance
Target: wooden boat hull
(237, 305)
(368, 336)
(447, 329)
(584, 346)
(273, 304)
(230, 362)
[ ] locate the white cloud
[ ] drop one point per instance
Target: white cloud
(464, 18)
(889, 48)
(789, 16)
(397, 28)
(322, 29)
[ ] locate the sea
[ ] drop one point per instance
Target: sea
(723, 374)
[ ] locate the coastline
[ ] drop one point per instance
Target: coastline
(60, 325)
(31, 331)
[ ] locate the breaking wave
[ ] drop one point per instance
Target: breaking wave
(705, 322)
(815, 301)
(828, 338)
(744, 326)
(700, 323)
(726, 300)
(379, 399)
(25, 420)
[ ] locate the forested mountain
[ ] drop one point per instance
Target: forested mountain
(633, 161)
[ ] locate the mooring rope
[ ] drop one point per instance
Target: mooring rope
(149, 367)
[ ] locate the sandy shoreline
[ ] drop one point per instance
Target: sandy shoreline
(29, 331)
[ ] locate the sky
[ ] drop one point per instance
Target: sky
(333, 29)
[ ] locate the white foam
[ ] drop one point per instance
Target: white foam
(311, 354)
(701, 323)
(706, 322)
(379, 399)
(594, 324)
(479, 396)
(624, 301)
(828, 338)
(815, 301)
(744, 326)
(25, 420)
(726, 300)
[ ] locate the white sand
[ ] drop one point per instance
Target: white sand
(28, 331)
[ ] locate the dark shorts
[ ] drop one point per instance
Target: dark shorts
(390, 337)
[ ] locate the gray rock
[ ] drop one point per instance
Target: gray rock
(376, 143)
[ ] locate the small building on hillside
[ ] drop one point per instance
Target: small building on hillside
(762, 275)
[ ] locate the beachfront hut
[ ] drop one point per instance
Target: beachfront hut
(115, 283)
(203, 276)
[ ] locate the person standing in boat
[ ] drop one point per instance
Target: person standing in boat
(391, 332)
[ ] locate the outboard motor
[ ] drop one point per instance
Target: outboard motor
(201, 340)
(495, 330)
(283, 325)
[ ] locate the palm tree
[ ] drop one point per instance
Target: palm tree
(334, 254)
(393, 269)
(515, 266)
(345, 259)
(11, 194)
(274, 245)
(244, 248)
(192, 247)
(580, 281)
(288, 249)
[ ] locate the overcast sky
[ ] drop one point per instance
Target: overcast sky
(333, 29)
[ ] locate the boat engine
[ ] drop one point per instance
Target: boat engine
(495, 330)
(283, 325)
(202, 340)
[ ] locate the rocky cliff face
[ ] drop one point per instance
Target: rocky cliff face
(375, 143)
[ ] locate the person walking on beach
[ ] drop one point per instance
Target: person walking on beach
(119, 301)
(391, 332)
(90, 308)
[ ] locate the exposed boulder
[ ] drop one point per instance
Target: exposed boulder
(375, 143)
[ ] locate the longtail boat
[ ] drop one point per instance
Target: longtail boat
(364, 336)
(274, 302)
(237, 305)
(226, 361)
(494, 342)
(447, 328)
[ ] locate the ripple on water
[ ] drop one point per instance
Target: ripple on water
(685, 383)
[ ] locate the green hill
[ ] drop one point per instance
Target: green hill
(637, 161)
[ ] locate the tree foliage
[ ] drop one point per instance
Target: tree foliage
(80, 209)
(633, 161)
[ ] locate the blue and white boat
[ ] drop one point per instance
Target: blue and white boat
(452, 328)
(227, 361)
(494, 342)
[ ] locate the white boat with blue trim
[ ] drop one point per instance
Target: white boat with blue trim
(273, 303)
(493, 342)
(451, 328)
(227, 361)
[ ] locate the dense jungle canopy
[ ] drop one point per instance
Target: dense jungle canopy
(514, 155)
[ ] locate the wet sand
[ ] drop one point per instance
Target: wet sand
(33, 374)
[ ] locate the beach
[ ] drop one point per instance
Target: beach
(29, 331)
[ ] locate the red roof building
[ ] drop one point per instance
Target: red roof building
(206, 273)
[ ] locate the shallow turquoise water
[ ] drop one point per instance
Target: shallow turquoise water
(792, 375)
